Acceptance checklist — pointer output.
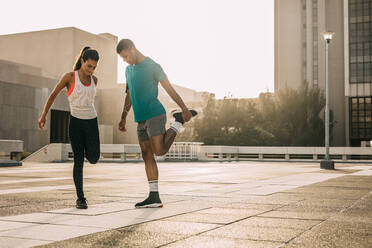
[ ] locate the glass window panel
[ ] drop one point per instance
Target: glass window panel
(360, 49)
(353, 27)
(352, 10)
(355, 119)
(360, 68)
(362, 133)
(365, 9)
(354, 100)
(361, 113)
(355, 133)
(368, 124)
(368, 132)
(367, 69)
(353, 70)
(361, 125)
(362, 119)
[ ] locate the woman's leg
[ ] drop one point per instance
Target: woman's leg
(77, 138)
(92, 144)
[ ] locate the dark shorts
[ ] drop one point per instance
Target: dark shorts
(151, 127)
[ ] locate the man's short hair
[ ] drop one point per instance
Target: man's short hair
(124, 44)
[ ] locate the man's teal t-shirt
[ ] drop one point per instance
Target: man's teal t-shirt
(142, 83)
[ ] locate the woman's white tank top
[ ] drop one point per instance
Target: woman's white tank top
(81, 98)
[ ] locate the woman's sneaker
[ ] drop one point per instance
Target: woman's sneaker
(177, 114)
(153, 201)
(81, 203)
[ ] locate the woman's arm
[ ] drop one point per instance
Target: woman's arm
(64, 82)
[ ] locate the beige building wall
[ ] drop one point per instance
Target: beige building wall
(55, 51)
(300, 57)
(288, 43)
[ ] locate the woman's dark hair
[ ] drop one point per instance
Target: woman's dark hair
(85, 54)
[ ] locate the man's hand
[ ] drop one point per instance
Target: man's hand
(186, 115)
(122, 125)
(42, 121)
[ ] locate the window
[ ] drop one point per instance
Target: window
(361, 118)
(360, 38)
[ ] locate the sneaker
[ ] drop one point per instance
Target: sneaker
(153, 201)
(81, 203)
(177, 114)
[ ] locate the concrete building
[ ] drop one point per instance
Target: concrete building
(32, 63)
(300, 59)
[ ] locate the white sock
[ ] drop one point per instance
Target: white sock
(176, 126)
(153, 186)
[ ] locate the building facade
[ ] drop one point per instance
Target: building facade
(32, 63)
(300, 59)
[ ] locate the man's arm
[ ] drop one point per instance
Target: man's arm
(126, 108)
(174, 95)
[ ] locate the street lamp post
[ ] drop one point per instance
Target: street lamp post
(327, 163)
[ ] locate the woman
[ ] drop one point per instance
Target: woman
(83, 127)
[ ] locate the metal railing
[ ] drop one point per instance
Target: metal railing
(188, 151)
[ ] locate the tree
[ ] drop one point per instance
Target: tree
(288, 118)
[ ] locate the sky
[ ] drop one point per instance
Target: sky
(221, 46)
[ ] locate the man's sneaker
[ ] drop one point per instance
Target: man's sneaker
(153, 201)
(177, 114)
(81, 203)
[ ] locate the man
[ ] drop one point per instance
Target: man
(143, 76)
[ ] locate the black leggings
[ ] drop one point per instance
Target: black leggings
(84, 139)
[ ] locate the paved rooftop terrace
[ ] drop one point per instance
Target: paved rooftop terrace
(232, 204)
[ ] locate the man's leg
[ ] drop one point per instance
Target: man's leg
(162, 143)
(153, 200)
(162, 140)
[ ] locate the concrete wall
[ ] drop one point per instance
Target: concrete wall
(55, 51)
(334, 21)
(288, 44)
(22, 98)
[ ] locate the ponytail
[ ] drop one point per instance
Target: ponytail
(85, 54)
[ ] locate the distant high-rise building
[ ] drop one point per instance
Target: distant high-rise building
(300, 59)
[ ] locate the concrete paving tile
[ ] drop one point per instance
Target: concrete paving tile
(263, 207)
(265, 190)
(334, 234)
(310, 209)
(280, 199)
(188, 206)
(115, 238)
(298, 215)
(96, 209)
(331, 192)
(44, 218)
(218, 242)
(8, 225)
(108, 221)
(333, 203)
(228, 211)
(207, 218)
(278, 222)
(255, 233)
(9, 242)
(49, 232)
(164, 226)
